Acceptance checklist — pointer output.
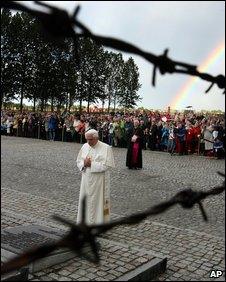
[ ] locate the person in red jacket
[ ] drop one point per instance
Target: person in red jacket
(189, 137)
(196, 132)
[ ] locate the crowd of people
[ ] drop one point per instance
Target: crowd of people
(176, 133)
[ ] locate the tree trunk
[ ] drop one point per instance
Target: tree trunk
(45, 103)
(51, 104)
(109, 102)
(42, 104)
(21, 97)
(34, 104)
(114, 103)
(88, 107)
(89, 100)
(80, 106)
(70, 101)
(103, 102)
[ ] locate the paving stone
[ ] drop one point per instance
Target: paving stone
(121, 269)
(47, 278)
(54, 276)
(110, 277)
(74, 276)
(64, 279)
(191, 268)
(121, 263)
(64, 272)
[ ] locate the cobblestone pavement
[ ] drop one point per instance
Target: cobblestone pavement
(40, 178)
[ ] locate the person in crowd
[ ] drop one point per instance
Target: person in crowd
(143, 127)
(123, 143)
(76, 128)
(9, 124)
(68, 128)
(189, 136)
(88, 124)
(31, 124)
(15, 126)
(195, 138)
(159, 135)
(52, 125)
(207, 132)
(46, 126)
(93, 123)
(171, 141)
(146, 138)
(134, 151)
(201, 147)
(117, 132)
(128, 126)
(110, 133)
(104, 131)
(60, 127)
(3, 125)
(218, 148)
(153, 135)
(94, 160)
(164, 138)
(81, 129)
(25, 126)
(180, 133)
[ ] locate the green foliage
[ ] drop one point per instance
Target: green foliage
(34, 68)
(129, 85)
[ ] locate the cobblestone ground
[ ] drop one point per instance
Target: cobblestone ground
(40, 178)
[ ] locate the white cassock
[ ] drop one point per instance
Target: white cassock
(95, 184)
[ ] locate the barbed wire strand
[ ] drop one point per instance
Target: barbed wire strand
(58, 24)
(82, 235)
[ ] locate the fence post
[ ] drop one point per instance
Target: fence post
(38, 130)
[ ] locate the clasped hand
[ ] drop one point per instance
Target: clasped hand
(87, 162)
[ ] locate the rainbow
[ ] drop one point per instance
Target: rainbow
(212, 58)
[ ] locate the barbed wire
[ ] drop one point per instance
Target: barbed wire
(58, 24)
(82, 235)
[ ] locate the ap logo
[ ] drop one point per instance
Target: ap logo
(216, 273)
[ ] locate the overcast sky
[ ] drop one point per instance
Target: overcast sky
(190, 29)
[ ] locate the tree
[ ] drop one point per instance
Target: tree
(20, 54)
(113, 73)
(7, 81)
(43, 72)
(91, 76)
(129, 97)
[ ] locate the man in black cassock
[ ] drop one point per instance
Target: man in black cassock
(134, 152)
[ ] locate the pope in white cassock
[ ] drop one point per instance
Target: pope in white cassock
(94, 160)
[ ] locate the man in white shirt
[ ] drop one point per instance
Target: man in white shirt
(94, 160)
(76, 125)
